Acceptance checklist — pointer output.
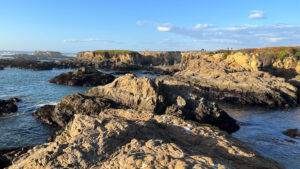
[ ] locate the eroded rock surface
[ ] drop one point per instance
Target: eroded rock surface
(150, 95)
(139, 139)
(83, 77)
(230, 82)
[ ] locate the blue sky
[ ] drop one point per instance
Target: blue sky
(79, 25)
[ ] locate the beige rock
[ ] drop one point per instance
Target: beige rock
(139, 139)
(229, 81)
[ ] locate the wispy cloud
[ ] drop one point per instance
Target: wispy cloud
(202, 26)
(163, 28)
(257, 14)
(89, 40)
(237, 36)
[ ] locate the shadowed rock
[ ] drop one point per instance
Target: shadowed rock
(8, 106)
(63, 112)
(83, 77)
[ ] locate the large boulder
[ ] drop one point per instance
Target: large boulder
(83, 77)
(150, 95)
(8, 106)
(139, 139)
(138, 93)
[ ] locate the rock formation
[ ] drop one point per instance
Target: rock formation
(63, 112)
(148, 95)
(7, 155)
(83, 77)
(8, 106)
(137, 139)
(216, 79)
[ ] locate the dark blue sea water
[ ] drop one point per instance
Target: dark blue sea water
(260, 128)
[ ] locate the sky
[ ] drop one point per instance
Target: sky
(81, 25)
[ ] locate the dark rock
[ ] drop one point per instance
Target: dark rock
(45, 114)
(14, 100)
(293, 133)
(7, 155)
(63, 112)
(1, 68)
(8, 106)
(83, 77)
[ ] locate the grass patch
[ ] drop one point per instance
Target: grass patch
(111, 53)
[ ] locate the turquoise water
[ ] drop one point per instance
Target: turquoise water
(260, 128)
(32, 88)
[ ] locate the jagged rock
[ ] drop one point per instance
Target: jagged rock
(63, 112)
(45, 114)
(148, 95)
(7, 155)
(138, 139)
(8, 106)
(293, 133)
(83, 77)
(220, 81)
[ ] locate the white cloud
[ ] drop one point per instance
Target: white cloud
(89, 40)
(163, 28)
(257, 14)
(238, 36)
(275, 39)
(201, 26)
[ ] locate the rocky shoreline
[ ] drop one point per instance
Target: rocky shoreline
(170, 121)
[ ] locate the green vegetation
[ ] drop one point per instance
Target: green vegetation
(110, 53)
(279, 53)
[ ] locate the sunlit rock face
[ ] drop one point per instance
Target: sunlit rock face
(140, 139)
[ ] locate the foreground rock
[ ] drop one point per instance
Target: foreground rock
(8, 106)
(230, 82)
(83, 77)
(149, 95)
(7, 155)
(139, 139)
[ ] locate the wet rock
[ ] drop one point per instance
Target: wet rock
(83, 77)
(63, 112)
(293, 133)
(150, 95)
(139, 139)
(14, 100)
(7, 106)
(1, 68)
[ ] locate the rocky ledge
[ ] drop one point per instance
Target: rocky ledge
(118, 138)
(8, 106)
(142, 94)
(83, 77)
(216, 79)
